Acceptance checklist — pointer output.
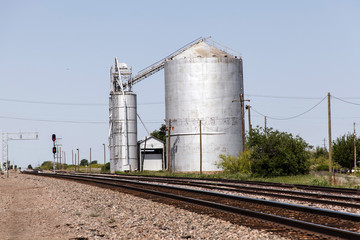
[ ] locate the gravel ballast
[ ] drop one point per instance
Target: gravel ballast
(34, 207)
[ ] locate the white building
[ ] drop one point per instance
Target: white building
(151, 154)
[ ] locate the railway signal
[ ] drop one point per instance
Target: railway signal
(53, 138)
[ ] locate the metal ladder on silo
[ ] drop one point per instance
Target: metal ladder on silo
(160, 64)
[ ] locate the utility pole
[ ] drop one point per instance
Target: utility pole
(78, 160)
(329, 126)
(90, 162)
(169, 151)
(7, 163)
(242, 100)
(200, 148)
(104, 158)
(354, 150)
(72, 159)
(248, 108)
(265, 125)
(75, 163)
(143, 155)
(57, 156)
(60, 156)
(242, 121)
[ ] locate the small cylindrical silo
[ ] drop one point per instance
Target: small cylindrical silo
(123, 131)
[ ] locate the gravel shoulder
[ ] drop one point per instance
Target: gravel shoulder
(33, 207)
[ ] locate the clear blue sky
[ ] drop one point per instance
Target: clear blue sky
(61, 52)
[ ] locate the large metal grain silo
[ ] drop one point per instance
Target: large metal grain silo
(200, 85)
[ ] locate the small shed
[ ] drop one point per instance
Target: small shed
(151, 154)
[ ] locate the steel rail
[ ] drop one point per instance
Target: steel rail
(285, 194)
(283, 185)
(293, 223)
(288, 206)
(314, 197)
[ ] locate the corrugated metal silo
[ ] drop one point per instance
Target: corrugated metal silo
(201, 84)
(123, 124)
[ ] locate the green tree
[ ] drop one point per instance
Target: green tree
(94, 162)
(160, 134)
(343, 150)
(277, 153)
(320, 152)
(84, 162)
(105, 168)
(47, 165)
(319, 160)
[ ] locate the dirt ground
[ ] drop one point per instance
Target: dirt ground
(26, 211)
(39, 208)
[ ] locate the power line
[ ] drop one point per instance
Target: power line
(66, 121)
(161, 102)
(288, 118)
(281, 97)
(66, 103)
(358, 104)
(48, 120)
(51, 103)
(292, 97)
(98, 104)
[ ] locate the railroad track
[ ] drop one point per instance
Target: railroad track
(345, 191)
(347, 199)
(304, 222)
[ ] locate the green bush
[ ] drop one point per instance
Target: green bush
(320, 182)
(47, 165)
(322, 167)
(235, 164)
(96, 165)
(319, 164)
(278, 153)
(105, 168)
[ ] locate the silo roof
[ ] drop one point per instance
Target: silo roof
(205, 50)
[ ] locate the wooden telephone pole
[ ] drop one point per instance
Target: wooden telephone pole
(265, 124)
(168, 146)
(329, 126)
(248, 107)
(242, 100)
(354, 150)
